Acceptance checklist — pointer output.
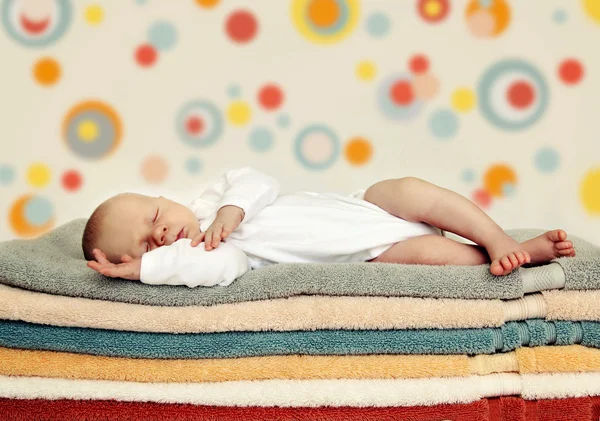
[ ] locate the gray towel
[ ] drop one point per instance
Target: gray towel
(54, 264)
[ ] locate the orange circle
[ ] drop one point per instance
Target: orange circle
(105, 109)
(358, 151)
(323, 13)
(46, 71)
(496, 177)
(499, 9)
(18, 223)
(207, 3)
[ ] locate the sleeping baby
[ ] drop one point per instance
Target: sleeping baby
(244, 223)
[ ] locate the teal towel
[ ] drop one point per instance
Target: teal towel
(54, 264)
(318, 342)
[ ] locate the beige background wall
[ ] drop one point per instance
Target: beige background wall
(529, 153)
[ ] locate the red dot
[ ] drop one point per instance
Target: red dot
(418, 64)
(402, 92)
(145, 55)
(71, 180)
(241, 26)
(520, 94)
(270, 97)
(570, 71)
(482, 198)
(194, 125)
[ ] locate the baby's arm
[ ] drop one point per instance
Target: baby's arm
(180, 264)
(246, 188)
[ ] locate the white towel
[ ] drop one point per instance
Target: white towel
(285, 393)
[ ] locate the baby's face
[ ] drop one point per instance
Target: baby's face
(135, 224)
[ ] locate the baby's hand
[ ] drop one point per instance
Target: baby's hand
(129, 269)
(228, 219)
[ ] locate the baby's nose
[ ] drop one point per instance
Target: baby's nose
(160, 234)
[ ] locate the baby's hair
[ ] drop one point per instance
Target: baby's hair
(93, 228)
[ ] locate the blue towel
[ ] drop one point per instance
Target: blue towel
(23, 335)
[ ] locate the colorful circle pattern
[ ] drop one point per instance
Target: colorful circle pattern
(325, 21)
(92, 130)
(199, 123)
(31, 215)
(317, 147)
(396, 99)
(36, 24)
(487, 19)
(512, 95)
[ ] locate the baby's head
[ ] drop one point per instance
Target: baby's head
(133, 224)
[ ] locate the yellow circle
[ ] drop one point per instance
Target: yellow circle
(239, 113)
(432, 8)
(592, 9)
(38, 175)
(46, 71)
(301, 21)
(94, 14)
(88, 131)
(366, 70)
(590, 192)
(463, 100)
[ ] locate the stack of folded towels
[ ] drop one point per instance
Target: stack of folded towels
(364, 341)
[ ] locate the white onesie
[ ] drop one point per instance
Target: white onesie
(303, 227)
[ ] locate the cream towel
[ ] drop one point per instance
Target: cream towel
(283, 314)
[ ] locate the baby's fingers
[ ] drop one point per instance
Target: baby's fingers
(100, 256)
(197, 239)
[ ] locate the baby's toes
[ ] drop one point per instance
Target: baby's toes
(506, 264)
(520, 257)
(563, 245)
(496, 268)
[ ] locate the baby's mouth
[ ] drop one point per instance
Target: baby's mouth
(180, 235)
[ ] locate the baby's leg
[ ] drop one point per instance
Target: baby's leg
(417, 200)
(433, 250)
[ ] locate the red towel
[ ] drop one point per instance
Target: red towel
(495, 409)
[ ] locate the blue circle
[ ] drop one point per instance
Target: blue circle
(63, 15)
(261, 139)
(547, 160)
(389, 108)
(7, 174)
(468, 175)
(302, 136)
(193, 165)
(486, 86)
(443, 124)
(206, 139)
(283, 121)
(485, 3)
(378, 24)
(141, 2)
(162, 35)
(508, 189)
(559, 16)
(38, 210)
(234, 91)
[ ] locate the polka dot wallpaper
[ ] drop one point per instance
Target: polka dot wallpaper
(495, 99)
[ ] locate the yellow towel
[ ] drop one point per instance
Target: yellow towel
(550, 359)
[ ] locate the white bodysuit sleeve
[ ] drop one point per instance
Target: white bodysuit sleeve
(182, 264)
(245, 187)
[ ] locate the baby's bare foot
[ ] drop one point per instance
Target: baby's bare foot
(506, 255)
(548, 246)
